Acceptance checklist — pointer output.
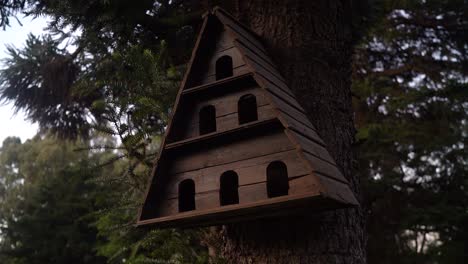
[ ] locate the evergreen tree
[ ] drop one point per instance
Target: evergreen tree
(46, 203)
(411, 108)
(409, 94)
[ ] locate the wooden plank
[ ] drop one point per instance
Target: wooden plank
(244, 44)
(206, 201)
(217, 84)
(310, 135)
(252, 193)
(284, 106)
(233, 52)
(167, 207)
(201, 53)
(227, 103)
(338, 191)
(304, 184)
(274, 79)
(224, 103)
(244, 69)
(310, 146)
(300, 120)
(246, 148)
(300, 128)
(280, 94)
(284, 205)
(325, 168)
(249, 171)
(239, 30)
(230, 121)
(224, 41)
(260, 60)
(174, 108)
(203, 138)
(266, 81)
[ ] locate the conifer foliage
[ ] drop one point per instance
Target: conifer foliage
(107, 73)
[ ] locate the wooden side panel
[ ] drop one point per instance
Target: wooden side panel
(224, 47)
(168, 207)
(250, 172)
(230, 121)
(238, 64)
(205, 201)
(253, 193)
(229, 152)
(300, 128)
(226, 111)
(249, 158)
(325, 168)
(261, 60)
(312, 147)
(305, 184)
(226, 20)
(337, 190)
(275, 79)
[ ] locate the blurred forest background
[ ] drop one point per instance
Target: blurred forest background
(101, 84)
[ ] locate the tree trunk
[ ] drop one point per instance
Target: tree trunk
(311, 42)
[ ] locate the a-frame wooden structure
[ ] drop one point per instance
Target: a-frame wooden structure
(238, 145)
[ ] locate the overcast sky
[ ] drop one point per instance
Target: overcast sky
(15, 124)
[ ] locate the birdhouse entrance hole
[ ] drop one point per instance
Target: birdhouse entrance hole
(186, 195)
(229, 188)
(224, 67)
(277, 179)
(247, 109)
(207, 118)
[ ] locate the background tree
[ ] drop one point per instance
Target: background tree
(411, 106)
(45, 204)
(120, 73)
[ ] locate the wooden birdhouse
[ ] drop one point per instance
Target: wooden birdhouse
(238, 146)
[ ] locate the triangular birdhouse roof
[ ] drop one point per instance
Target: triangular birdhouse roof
(263, 71)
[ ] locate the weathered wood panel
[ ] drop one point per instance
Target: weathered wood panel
(310, 146)
(168, 207)
(320, 166)
(230, 121)
(285, 104)
(240, 31)
(224, 47)
(252, 193)
(300, 128)
(337, 190)
(205, 201)
(247, 148)
(226, 111)
(249, 171)
(225, 104)
(260, 60)
(304, 184)
(268, 76)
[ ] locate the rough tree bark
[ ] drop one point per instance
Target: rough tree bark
(311, 42)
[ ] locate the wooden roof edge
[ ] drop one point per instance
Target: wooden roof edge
(218, 9)
(286, 125)
(338, 191)
(173, 112)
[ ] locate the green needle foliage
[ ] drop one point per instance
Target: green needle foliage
(119, 75)
(46, 202)
(410, 84)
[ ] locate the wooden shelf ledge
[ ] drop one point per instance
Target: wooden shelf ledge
(222, 82)
(239, 129)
